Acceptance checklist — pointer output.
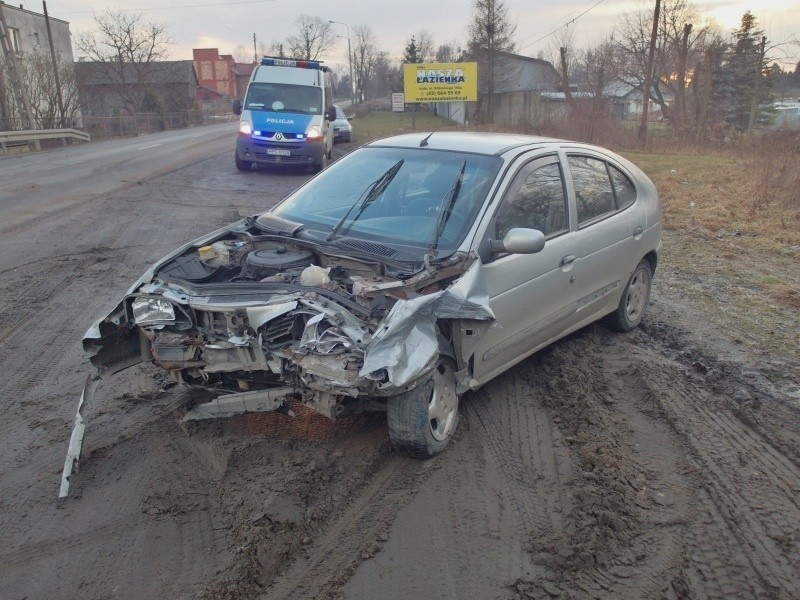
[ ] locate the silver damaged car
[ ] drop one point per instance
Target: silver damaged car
(412, 270)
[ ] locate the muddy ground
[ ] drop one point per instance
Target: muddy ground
(660, 463)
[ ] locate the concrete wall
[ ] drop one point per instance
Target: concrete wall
(32, 31)
(28, 30)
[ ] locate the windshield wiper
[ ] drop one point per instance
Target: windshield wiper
(370, 193)
(444, 212)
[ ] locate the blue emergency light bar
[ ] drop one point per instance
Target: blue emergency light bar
(272, 61)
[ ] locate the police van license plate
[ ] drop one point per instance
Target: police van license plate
(278, 152)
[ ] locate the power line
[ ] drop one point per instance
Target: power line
(567, 24)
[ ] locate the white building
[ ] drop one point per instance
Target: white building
(26, 32)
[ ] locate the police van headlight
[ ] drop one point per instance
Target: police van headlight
(314, 133)
(152, 311)
(245, 128)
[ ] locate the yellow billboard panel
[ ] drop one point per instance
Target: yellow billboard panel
(440, 82)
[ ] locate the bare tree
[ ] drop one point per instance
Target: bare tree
(243, 54)
(562, 52)
(425, 45)
(386, 76)
(449, 52)
(365, 55)
(124, 48)
(313, 40)
(681, 39)
(490, 32)
(42, 91)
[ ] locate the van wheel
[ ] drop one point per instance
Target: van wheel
(242, 165)
(634, 299)
(423, 420)
(323, 163)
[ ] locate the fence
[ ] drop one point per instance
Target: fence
(130, 125)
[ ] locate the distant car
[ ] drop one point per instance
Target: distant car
(342, 130)
(410, 271)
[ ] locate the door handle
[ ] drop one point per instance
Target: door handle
(567, 260)
(637, 231)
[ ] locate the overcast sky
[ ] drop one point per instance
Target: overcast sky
(226, 25)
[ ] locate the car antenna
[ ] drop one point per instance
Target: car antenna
(424, 142)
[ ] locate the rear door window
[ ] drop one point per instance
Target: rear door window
(594, 195)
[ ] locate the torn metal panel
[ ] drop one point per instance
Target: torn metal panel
(78, 430)
(320, 337)
(268, 400)
(337, 372)
(113, 347)
(407, 342)
(259, 315)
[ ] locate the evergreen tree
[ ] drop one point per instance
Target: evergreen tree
(411, 53)
(490, 32)
(745, 83)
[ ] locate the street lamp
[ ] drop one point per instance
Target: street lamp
(350, 62)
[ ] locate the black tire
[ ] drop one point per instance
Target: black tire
(423, 420)
(634, 299)
(323, 164)
(242, 165)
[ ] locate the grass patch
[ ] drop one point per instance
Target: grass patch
(722, 195)
(379, 124)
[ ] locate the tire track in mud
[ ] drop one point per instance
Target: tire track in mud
(623, 537)
(519, 435)
(751, 490)
(313, 499)
(459, 537)
(328, 562)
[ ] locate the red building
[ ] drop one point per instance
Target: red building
(215, 76)
(219, 77)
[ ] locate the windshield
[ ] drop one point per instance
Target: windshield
(284, 97)
(405, 211)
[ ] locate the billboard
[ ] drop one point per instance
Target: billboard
(440, 82)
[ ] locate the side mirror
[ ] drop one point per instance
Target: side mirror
(330, 113)
(236, 105)
(519, 241)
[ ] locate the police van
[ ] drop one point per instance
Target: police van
(286, 115)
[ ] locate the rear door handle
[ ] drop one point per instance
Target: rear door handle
(567, 260)
(637, 231)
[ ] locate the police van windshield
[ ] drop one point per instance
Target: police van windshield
(284, 97)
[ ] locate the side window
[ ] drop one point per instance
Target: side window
(538, 203)
(624, 189)
(593, 194)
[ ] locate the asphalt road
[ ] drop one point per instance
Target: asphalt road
(42, 184)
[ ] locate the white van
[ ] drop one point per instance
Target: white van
(286, 115)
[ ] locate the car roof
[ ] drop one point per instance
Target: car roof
(462, 141)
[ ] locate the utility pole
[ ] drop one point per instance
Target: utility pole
(255, 50)
(350, 62)
(16, 83)
(55, 68)
(648, 77)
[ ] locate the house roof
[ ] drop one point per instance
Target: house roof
(160, 72)
(244, 69)
(624, 87)
(515, 72)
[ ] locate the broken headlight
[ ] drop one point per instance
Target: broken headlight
(152, 311)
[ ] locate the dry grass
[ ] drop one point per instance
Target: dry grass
(755, 193)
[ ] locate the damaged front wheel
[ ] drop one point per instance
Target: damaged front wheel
(422, 420)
